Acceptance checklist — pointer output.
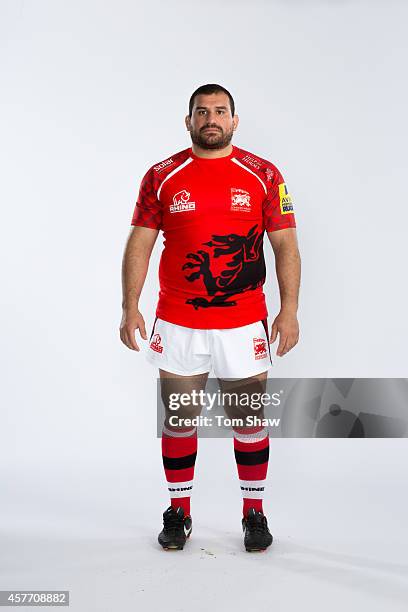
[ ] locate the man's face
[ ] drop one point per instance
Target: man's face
(211, 125)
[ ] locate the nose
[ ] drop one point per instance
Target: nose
(212, 118)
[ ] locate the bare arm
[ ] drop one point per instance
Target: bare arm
(288, 266)
(135, 265)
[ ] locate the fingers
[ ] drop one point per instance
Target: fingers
(288, 331)
(286, 343)
(282, 343)
(282, 337)
(130, 323)
(127, 335)
(142, 329)
(274, 332)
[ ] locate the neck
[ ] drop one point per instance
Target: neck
(211, 153)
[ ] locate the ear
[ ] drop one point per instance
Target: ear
(187, 122)
(235, 121)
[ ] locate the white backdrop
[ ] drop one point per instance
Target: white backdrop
(92, 95)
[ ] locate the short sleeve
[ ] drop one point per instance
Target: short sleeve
(148, 211)
(277, 207)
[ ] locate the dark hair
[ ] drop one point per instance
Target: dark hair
(210, 88)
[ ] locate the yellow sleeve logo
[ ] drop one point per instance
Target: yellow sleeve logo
(285, 200)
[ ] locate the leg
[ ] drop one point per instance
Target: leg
(179, 443)
(251, 442)
(251, 447)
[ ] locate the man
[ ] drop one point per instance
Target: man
(213, 202)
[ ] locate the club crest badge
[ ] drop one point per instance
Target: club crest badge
(240, 200)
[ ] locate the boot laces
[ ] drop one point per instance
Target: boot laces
(172, 523)
(257, 524)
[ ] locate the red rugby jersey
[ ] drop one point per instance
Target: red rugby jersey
(213, 213)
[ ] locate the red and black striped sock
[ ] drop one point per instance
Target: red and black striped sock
(179, 451)
(251, 448)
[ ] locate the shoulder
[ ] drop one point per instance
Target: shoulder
(266, 170)
(161, 169)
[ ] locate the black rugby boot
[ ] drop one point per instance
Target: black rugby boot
(176, 529)
(257, 536)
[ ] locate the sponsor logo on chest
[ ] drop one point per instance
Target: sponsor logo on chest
(240, 201)
(181, 202)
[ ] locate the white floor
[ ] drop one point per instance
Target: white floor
(337, 510)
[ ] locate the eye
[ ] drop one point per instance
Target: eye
(221, 111)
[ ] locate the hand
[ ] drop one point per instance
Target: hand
(286, 324)
(131, 321)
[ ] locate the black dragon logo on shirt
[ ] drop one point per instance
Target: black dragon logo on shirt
(245, 271)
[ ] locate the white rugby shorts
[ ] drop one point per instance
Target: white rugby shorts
(237, 352)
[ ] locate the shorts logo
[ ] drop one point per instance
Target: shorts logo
(260, 349)
(285, 200)
(181, 202)
(155, 344)
(240, 200)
